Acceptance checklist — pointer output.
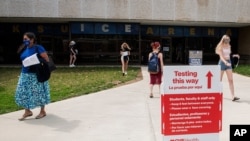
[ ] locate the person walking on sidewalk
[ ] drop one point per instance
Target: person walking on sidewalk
(29, 92)
(223, 49)
(125, 52)
(156, 79)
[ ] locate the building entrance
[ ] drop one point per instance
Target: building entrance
(166, 48)
(179, 50)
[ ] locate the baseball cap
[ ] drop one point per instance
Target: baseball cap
(72, 43)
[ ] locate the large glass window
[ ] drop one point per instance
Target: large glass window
(104, 49)
(208, 47)
(56, 46)
(9, 43)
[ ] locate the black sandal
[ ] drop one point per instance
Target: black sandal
(151, 96)
(235, 98)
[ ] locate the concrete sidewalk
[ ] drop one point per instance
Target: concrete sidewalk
(235, 112)
(124, 113)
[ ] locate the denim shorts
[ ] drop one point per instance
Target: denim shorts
(223, 66)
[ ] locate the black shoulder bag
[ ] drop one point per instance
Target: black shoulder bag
(42, 69)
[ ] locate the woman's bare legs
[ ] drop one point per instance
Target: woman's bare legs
(123, 67)
(221, 75)
(230, 81)
(126, 67)
(70, 59)
(151, 90)
(74, 60)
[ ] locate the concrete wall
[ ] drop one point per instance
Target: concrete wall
(162, 10)
(153, 11)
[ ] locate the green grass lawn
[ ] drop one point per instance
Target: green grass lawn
(66, 82)
(243, 69)
(71, 82)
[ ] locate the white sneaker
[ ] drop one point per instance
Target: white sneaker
(126, 73)
(71, 66)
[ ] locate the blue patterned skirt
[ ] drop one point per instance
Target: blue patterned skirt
(30, 93)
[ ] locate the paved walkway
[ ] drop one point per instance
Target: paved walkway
(124, 113)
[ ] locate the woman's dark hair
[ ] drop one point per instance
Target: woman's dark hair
(30, 35)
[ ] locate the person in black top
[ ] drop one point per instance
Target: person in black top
(125, 52)
(72, 54)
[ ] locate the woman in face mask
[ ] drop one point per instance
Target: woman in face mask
(29, 92)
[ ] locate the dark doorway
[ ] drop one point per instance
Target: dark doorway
(178, 50)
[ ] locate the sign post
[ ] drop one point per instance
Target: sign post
(195, 57)
(191, 103)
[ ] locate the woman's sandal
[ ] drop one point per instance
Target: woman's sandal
(151, 95)
(235, 98)
(25, 116)
(40, 116)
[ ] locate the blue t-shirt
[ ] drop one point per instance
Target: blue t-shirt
(28, 51)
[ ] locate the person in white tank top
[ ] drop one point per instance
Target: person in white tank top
(125, 52)
(223, 49)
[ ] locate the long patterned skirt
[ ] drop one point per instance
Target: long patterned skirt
(30, 93)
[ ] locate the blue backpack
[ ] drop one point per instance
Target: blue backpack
(153, 64)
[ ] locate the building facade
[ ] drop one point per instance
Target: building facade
(100, 26)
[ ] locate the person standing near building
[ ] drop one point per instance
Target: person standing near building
(29, 92)
(72, 53)
(223, 49)
(156, 79)
(125, 52)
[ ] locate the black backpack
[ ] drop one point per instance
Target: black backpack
(42, 69)
(153, 64)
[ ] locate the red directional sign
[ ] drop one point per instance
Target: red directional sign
(191, 113)
(191, 102)
(209, 75)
